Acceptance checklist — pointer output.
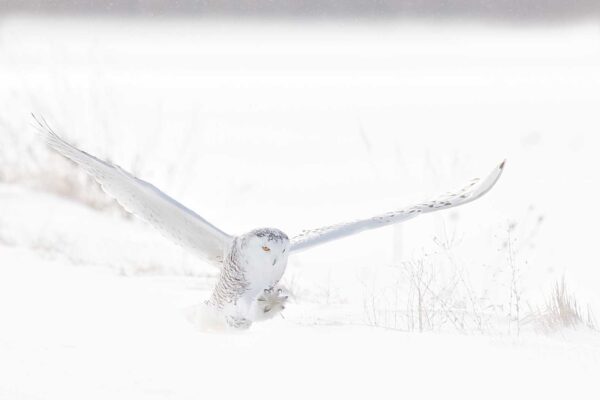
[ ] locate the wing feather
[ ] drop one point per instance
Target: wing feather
(474, 190)
(144, 200)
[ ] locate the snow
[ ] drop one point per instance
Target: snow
(73, 331)
(295, 125)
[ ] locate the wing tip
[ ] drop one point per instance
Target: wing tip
(42, 126)
(502, 164)
(47, 134)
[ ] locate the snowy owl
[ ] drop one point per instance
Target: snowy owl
(252, 264)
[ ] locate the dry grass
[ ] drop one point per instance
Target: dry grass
(429, 293)
(562, 310)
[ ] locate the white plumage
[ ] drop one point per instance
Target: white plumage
(253, 263)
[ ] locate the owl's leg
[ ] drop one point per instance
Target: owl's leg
(268, 304)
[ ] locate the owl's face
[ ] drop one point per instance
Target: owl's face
(264, 253)
(268, 245)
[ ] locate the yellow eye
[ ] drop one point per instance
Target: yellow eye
(265, 248)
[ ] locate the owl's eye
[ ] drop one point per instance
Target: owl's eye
(265, 248)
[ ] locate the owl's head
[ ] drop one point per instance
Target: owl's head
(265, 246)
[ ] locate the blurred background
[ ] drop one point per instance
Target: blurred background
(540, 10)
(298, 114)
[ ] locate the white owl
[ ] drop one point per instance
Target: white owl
(251, 264)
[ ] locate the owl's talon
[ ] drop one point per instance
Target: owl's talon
(271, 302)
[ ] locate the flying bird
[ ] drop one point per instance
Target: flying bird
(251, 264)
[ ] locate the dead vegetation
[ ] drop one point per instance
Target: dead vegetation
(561, 310)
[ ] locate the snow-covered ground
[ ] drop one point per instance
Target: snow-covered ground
(297, 125)
(72, 329)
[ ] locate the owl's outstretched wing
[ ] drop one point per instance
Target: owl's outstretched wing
(474, 190)
(171, 218)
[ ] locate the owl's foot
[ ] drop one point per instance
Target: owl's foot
(271, 302)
